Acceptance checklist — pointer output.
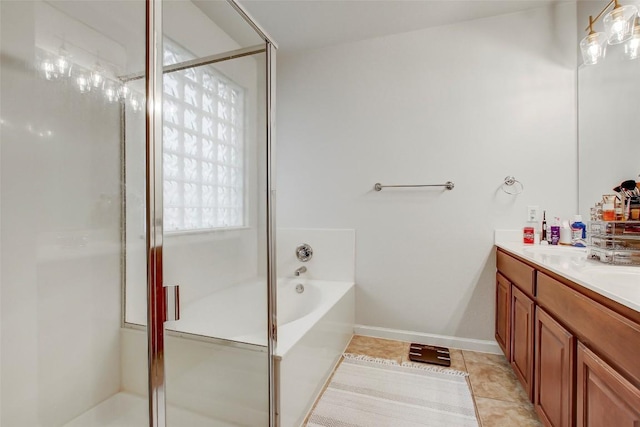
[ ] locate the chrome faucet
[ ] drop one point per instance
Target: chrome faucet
(300, 270)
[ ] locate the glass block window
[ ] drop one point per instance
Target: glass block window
(203, 157)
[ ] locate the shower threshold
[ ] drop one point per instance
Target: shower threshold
(130, 410)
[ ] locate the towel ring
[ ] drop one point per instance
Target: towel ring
(512, 186)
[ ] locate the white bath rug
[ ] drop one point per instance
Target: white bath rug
(367, 392)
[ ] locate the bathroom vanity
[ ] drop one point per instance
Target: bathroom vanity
(570, 327)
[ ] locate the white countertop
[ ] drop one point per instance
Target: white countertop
(618, 283)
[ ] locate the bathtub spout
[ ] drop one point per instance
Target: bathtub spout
(300, 270)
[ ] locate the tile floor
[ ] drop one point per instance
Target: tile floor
(500, 399)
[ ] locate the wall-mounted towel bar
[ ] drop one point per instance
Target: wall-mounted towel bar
(448, 185)
(512, 186)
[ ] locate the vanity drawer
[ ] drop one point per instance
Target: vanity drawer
(614, 337)
(520, 274)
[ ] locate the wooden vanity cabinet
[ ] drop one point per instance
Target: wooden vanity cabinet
(554, 368)
(612, 336)
(517, 272)
(575, 352)
(604, 397)
(503, 314)
(522, 312)
(515, 293)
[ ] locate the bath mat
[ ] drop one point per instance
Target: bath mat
(370, 392)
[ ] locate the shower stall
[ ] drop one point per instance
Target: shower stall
(136, 183)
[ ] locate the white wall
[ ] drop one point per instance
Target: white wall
(333, 253)
(471, 103)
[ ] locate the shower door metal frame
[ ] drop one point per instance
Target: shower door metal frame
(272, 318)
(156, 305)
(154, 214)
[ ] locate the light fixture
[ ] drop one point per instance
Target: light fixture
(97, 75)
(593, 47)
(124, 92)
(100, 82)
(84, 83)
(135, 104)
(617, 23)
(632, 46)
(618, 29)
(62, 62)
(49, 69)
(110, 92)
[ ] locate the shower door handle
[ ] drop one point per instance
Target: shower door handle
(172, 302)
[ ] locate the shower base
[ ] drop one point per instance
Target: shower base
(130, 410)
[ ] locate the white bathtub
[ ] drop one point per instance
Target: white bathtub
(314, 327)
(229, 382)
(309, 346)
(238, 313)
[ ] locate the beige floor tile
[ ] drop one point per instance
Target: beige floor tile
(498, 413)
(491, 376)
(378, 347)
(484, 358)
(457, 360)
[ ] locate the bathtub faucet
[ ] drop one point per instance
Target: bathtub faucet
(300, 270)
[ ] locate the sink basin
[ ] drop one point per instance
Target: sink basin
(564, 251)
(623, 276)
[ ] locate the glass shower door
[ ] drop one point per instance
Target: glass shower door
(216, 359)
(213, 242)
(74, 227)
(62, 100)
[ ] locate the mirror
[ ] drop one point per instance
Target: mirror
(608, 118)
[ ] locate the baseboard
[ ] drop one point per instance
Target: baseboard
(482, 346)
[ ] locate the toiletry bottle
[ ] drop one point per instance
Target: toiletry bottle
(578, 232)
(596, 212)
(555, 231)
(565, 233)
(528, 235)
(619, 210)
(635, 208)
(544, 226)
(608, 212)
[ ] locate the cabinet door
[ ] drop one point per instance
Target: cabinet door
(604, 397)
(522, 338)
(503, 314)
(553, 383)
(518, 273)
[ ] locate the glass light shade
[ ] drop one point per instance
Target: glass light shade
(135, 104)
(593, 48)
(632, 47)
(84, 83)
(97, 76)
(62, 63)
(124, 92)
(49, 69)
(618, 23)
(110, 93)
